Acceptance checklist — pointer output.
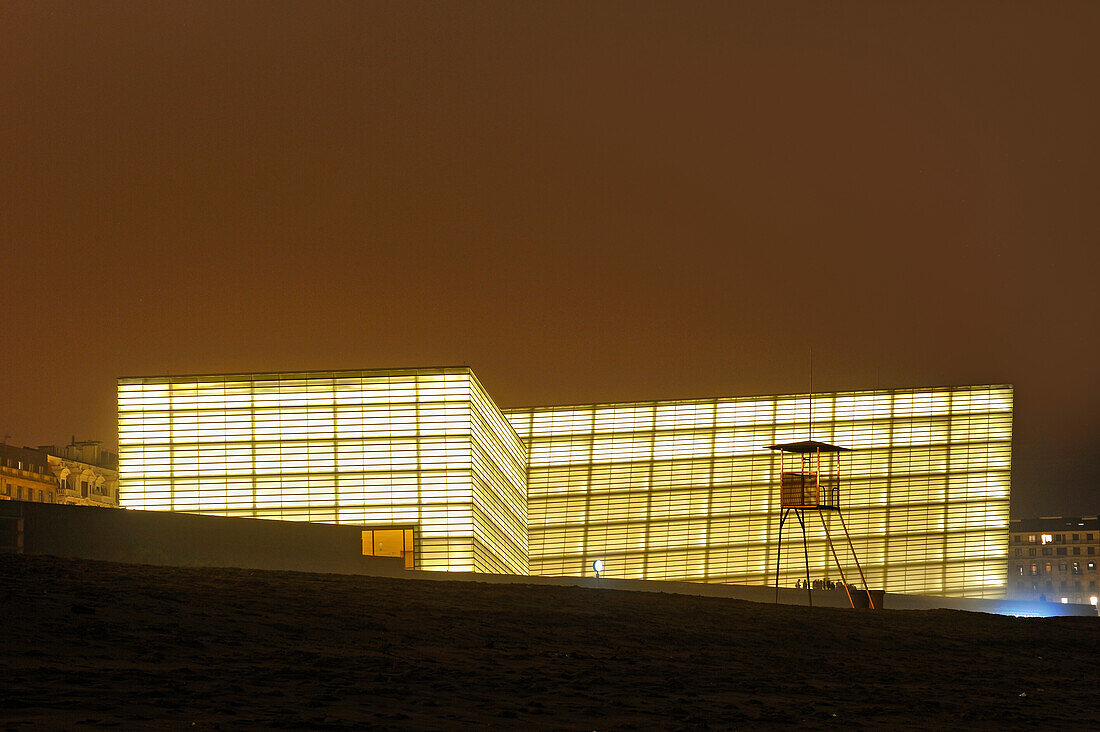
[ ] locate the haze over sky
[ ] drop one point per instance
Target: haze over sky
(582, 201)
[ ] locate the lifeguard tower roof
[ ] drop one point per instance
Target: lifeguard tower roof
(809, 446)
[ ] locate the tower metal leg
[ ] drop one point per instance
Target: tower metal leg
(779, 551)
(870, 602)
(836, 559)
(800, 515)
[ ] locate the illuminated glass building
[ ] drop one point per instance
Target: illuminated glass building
(687, 490)
(425, 448)
(678, 490)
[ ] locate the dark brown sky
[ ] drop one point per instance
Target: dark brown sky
(583, 201)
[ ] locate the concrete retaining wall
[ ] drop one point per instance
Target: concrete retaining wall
(189, 540)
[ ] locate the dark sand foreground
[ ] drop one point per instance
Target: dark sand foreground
(97, 644)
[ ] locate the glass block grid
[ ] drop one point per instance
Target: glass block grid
(423, 447)
(687, 490)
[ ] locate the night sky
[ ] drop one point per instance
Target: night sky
(582, 201)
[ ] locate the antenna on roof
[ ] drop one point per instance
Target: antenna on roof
(811, 435)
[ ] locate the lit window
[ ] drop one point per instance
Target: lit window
(1092, 600)
(1065, 600)
(1047, 538)
(1031, 539)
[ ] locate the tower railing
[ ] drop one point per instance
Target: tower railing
(808, 489)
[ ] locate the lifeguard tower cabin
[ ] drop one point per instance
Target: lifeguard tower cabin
(809, 480)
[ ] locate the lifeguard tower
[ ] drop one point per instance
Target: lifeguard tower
(809, 480)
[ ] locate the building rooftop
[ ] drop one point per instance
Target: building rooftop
(1054, 523)
(23, 458)
(90, 452)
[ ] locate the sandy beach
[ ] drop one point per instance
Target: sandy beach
(90, 644)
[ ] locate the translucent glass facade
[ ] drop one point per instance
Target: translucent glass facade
(677, 490)
(422, 447)
(687, 490)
